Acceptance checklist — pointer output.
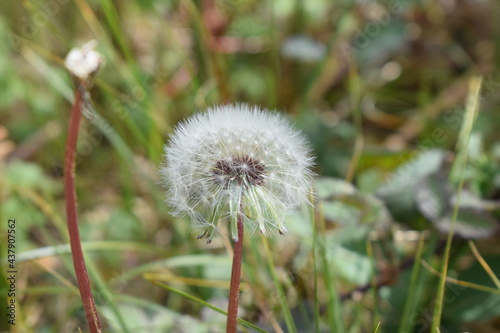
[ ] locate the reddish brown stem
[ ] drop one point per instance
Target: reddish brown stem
(71, 212)
(234, 289)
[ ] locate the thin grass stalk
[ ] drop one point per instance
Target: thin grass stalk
(334, 305)
(462, 283)
(107, 296)
(484, 264)
(202, 302)
(214, 64)
(410, 303)
(72, 215)
(260, 289)
(234, 288)
(373, 283)
(129, 72)
(315, 268)
(287, 314)
(274, 91)
(458, 169)
(359, 142)
(41, 252)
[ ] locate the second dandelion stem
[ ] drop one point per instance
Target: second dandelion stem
(72, 215)
(234, 289)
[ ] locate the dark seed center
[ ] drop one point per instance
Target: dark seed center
(244, 170)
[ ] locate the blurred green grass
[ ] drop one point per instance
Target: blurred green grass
(378, 87)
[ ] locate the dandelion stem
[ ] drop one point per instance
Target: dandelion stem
(234, 289)
(71, 212)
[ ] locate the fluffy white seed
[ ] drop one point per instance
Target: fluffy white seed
(236, 156)
(83, 62)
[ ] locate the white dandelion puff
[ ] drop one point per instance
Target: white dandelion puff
(83, 62)
(237, 159)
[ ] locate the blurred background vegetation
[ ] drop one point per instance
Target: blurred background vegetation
(381, 90)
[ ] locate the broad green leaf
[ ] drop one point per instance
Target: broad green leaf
(470, 224)
(141, 320)
(178, 261)
(435, 200)
(350, 265)
(433, 195)
(345, 205)
(28, 175)
(399, 191)
(466, 304)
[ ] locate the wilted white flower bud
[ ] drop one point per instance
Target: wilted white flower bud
(83, 62)
(237, 159)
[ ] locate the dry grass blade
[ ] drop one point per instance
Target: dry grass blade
(484, 264)
(457, 173)
(460, 282)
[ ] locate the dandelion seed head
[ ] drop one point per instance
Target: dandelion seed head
(236, 156)
(83, 62)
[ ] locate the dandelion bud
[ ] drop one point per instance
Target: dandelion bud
(236, 159)
(83, 62)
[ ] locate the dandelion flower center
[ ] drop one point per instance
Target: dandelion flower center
(243, 171)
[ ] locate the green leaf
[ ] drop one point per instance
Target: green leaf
(466, 304)
(203, 260)
(345, 205)
(399, 190)
(432, 196)
(471, 223)
(28, 175)
(413, 171)
(435, 200)
(141, 320)
(350, 265)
